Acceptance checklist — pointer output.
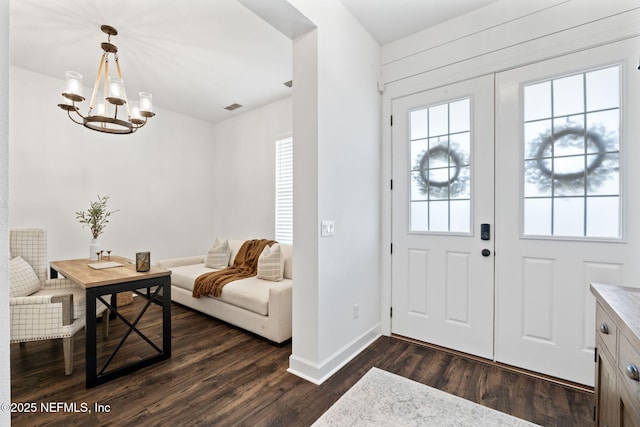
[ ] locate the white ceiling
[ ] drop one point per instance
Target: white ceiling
(194, 56)
(390, 20)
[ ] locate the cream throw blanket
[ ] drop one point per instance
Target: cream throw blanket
(244, 265)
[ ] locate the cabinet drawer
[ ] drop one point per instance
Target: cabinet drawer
(607, 330)
(629, 365)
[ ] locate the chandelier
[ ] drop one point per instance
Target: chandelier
(106, 103)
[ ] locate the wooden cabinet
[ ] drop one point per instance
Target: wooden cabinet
(618, 355)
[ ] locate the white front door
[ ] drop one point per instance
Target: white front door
(566, 203)
(442, 290)
(563, 193)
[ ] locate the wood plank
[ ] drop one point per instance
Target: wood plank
(79, 271)
(221, 375)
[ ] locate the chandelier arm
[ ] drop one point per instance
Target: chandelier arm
(72, 119)
(124, 91)
(95, 85)
(142, 124)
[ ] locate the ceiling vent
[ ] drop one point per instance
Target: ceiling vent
(232, 107)
(288, 84)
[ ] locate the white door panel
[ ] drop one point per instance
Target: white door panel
(560, 229)
(442, 288)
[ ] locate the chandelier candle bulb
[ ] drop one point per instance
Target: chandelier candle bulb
(146, 106)
(99, 110)
(116, 92)
(74, 83)
(136, 116)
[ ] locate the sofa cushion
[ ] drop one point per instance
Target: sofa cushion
(218, 255)
(251, 293)
(184, 276)
(22, 279)
(271, 263)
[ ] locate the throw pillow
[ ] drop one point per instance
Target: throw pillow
(22, 279)
(219, 254)
(271, 263)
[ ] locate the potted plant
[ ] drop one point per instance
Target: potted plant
(97, 218)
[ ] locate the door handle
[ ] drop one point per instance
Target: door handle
(486, 252)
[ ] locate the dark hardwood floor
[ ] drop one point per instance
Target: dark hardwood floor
(220, 375)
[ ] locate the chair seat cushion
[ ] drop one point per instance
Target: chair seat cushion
(22, 279)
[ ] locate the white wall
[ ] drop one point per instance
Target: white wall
(157, 177)
(336, 177)
(243, 172)
(5, 372)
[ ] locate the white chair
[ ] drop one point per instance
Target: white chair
(42, 308)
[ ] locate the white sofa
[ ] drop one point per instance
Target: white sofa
(257, 305)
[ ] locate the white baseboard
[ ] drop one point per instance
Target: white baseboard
(317, 373)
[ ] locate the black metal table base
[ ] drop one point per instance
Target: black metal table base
(95, 377)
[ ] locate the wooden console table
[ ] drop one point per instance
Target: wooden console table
(110, 281)
(617, 355)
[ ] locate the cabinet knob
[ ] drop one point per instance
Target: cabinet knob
(632, 372)
(604, 329)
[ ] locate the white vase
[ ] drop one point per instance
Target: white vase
(94, 248)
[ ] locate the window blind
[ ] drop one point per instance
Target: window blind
(284, 190)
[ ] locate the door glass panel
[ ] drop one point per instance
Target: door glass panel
(609, 186)
(418, 125)
(439, 120)
(440, 168)
(537, 216)
(460, 211)
(537, 101)
(568, 95)
(599, 223)
(598, 95)
(419, 216)
(439, 216)
(571, 155)
(459, 116)
(568, 219)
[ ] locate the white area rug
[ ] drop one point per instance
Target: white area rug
(381, 398)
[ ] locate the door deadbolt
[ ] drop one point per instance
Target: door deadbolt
(486, 252)
(485, 231)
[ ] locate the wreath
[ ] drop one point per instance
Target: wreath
(448, 188)
(600, 164)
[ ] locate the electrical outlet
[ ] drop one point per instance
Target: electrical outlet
(356, 311)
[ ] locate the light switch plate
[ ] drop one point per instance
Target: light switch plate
(327, 228)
